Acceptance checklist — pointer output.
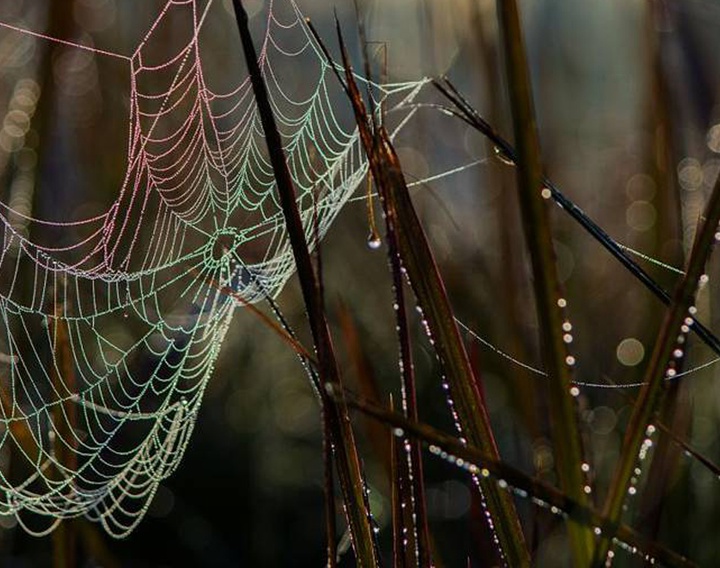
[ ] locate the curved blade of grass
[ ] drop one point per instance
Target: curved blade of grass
(465, 112)
(651, 394)
(492, 469)
(563, 420)
(424, 276)
(342, 439)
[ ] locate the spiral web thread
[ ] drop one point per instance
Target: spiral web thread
(111, 325)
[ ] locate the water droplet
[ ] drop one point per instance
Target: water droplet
(546, 193)
(374, 241)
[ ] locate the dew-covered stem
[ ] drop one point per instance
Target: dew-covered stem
(672, 337)
(341, 435)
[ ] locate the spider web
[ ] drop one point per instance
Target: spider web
(111, 324)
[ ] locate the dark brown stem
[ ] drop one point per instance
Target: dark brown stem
(345, 451)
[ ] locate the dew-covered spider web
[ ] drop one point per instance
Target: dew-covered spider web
(112, 323)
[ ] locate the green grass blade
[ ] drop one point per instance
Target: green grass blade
(563, 419)
(672, 337)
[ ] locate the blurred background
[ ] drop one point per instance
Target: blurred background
(626, 98)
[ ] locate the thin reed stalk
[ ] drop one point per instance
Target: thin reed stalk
(422, 272)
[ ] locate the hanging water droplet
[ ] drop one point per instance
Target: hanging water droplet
(374, 241)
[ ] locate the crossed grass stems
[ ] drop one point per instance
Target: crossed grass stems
(592, 532)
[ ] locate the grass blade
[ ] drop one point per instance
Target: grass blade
(342, 439)
(329, 490)
(412, 449)
(671, 338)
(563, 419)
(494, 470)
(424, 276)
(404, 533)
